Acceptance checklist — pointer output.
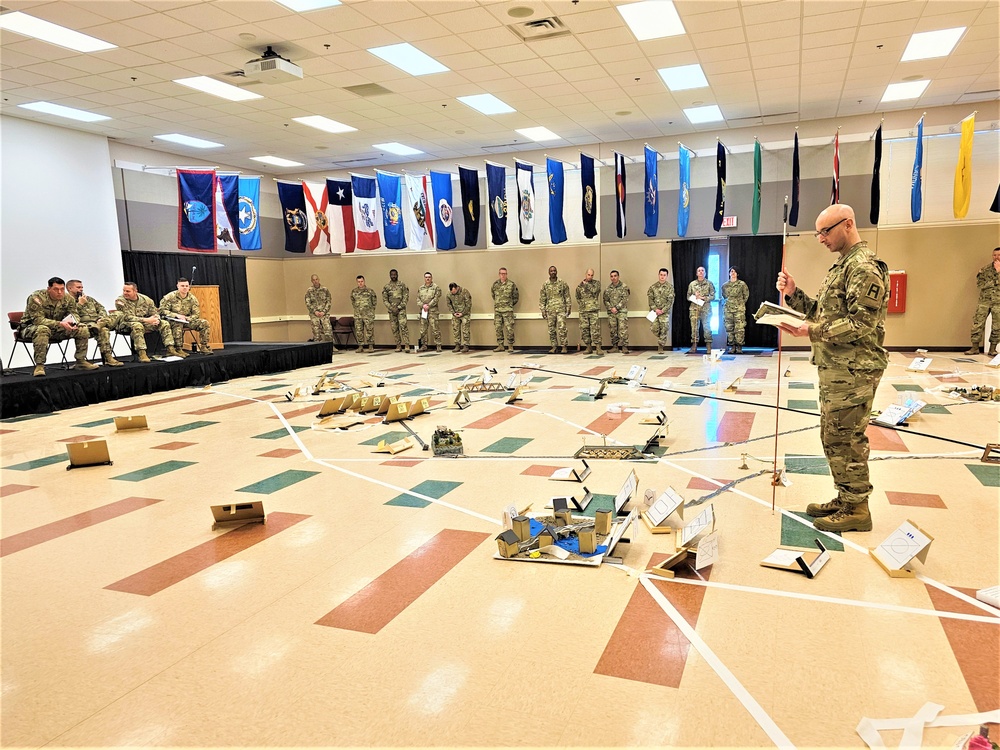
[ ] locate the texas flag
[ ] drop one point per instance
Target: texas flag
(319, 225)
(365, 212)
(339, 211)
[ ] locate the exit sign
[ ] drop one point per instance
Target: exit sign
(729, 222)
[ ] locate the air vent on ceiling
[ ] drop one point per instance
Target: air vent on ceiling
(504, 147)
(540, 28)
(368, 89)
(762, 119)
(345, 162)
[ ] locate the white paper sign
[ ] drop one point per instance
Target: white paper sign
(695, 300)
(702, 521)
(919, 364)
(708, 551)
(423, 314)
(902, 545)
(652, 316)
(995, 362)
(664, 506)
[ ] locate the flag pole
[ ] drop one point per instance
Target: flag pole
(776, 475)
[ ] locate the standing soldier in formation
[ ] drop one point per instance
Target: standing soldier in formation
(363, 300)
(91, 313)
(396, 295)
(460, 304)
(988, 281)
(318, 301)
(703, 291)
(735, 292)
(181, 310)
(505, 297)
(136, 314)
(616, 301)
(661, 299)
(846, 327)
(50, 316)
(428, 296)
(555, 304)
(588, 298)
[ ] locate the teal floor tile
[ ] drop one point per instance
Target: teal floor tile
(26, 417)
(276, 434)
(273, 387)
(988, 475)
(507, 445)
(389, 437)
(800, 359)
(688, 400)
(418, 392)
(805, 404)
(907, 387)
(598, 502)
(540, 378)
(584, 397)
(38, 463)
(935, 409)
(800, 386)
(796, 464)
(700, 383)
(97, 423)
(154, 471)
(795, 534)
(431, 488)
(469, 375)
(277, 482)
(399, 375)
(187, 427)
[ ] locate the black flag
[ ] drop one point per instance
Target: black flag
(720, 186)
(995, 208)
(589, 196)
(793, 216)
(876, 186)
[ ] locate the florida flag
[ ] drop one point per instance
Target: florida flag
(365, 214)
(319, 225)
(339, 211)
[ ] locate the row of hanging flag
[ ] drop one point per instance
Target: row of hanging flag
(341, 216)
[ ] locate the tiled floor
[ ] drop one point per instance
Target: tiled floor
(369, 610)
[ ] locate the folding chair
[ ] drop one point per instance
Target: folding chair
(14, 321)
(343, 327)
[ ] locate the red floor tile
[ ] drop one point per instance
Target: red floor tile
(281, 453)
(915, 499)
(172, 446)
(13, 489)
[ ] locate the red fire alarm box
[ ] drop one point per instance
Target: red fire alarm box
(897, 291)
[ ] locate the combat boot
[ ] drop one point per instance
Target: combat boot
(458, 348)
(659, 348)
(173, 351)
(143, 357)
(359, 350)
(204, 349)
(465, 348)
(819, 510)
(993, 350)
(82, 364)
(423, 348)
(439, 347)
(510, 349)
(971, 351)
(587, 350)
(398, 348)
(624, 350)
(693, 349)
(565, 350)
(109, 357)
(613, 349)
(39, 371)
(552, 350)
(730, 349)
(850, 517)
(371, 348)
(499, 348)
(598, 350)
(739, 349)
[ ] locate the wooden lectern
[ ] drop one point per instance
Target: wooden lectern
(208, 300)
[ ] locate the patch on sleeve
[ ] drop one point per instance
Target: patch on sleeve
(873, 292)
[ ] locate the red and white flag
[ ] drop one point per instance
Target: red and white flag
(319, 224)
(366, 214)
(835, 187)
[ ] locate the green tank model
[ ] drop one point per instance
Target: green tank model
(446, 442)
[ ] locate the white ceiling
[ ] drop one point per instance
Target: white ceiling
(780, 60)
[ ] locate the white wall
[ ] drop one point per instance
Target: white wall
(57, 216)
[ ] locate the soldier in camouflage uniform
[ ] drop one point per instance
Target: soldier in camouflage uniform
(91, 313)
(396, 295)
(555, 305)
(704, 290)
(588, 298)
(363, 301)
(50, 316)
(460, 304)
(988, 281)
(846, 325)
(661, 300)
(734, 311)
(428, 296)
(181, 310)
(505, 296)
(135, 315)
(616, 301)
(318, 302)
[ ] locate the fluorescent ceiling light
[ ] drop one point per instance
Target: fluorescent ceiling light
(60, 111)
(698, 115)
(652, 19)
(487, 104)
(217, 88)
(22, 23)
(324, 123)
(186, 140)
(895, 92)
(929, 44)
(277, 161)
(408, 58)
(538, 134)
(396, 148)
(303, 6)
(684, 77)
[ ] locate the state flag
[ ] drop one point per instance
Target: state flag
(876, 179)
(916, 182)
(319, 224)
(963, 170)
(556, 182)
(496, 190)
(390, 191)
(419, 232)
(340, 213)
(441, 195)
(835, 186)
(196, 210)
(294, 216)
(793, 216)
(651, 185)
(525, 178)
(227, 211)
(365, 212)
(620, 225)
(720, 186)
(468, 182)
(588, 187)
(684, 196)
(755, 210)
(247, 219)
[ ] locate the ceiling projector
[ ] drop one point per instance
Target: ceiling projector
(272, 68)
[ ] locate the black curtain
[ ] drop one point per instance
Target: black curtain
(157, 273)
(758, 260)
(685, 257)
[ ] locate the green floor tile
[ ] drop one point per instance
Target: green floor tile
(907, 387)
(795, 534)
(800, 386)
(800, 359)
(470, 376)
(389, 437)
(507, 445)
(700, 383)
(584, 397)
(277, 482)
(154, 471)
(935, 409)
(688, 400)
(431, 488)
(187, 427)
(97, 423)
(598, 502)
(419, 392)
(988, 476)
(540, 378)
(657, 356)
(796, 464)
(276, 434)
(399, 375)
(805, 404)
(26, 417)
(38, 463)
(273, 387)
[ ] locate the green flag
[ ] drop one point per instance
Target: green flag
(755, 222)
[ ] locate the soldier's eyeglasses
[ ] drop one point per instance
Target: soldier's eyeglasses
(825, 232)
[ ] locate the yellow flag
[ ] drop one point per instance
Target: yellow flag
(963, 170)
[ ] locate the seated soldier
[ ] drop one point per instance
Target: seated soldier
(136, 314)
(50, 316)
(181, 310)
(91, 313)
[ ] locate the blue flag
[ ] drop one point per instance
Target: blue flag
(793, 214)
(916, 188)
(229, 185)
(496, 188)
(652, 190)
(196, 210)
(443, 213)
(684, 196)
(556, 181)
(249, 223)
(720, 186)
(589, 188)
(468, 183)
(293, 213)
(390, 189)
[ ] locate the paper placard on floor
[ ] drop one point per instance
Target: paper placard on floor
(991, 454)
(562, 502)
(237, 514)
(331, 406)
(393, 448)
(700, 523)
(904, 544)
(995, 362)
(734, 386)
(664, 506)
(516, 395)
(619, 530)
(919, 364)
(659, 418)
(509, 513)
(293, 394)
(511, 382)
(397, 411)
(990, 596)
(713, 356)
(896, 414)
(666, 567)
(90, 453)
(708, 551)
(458, 400)
(633, 372)
(138, 422)
(629, 486)
(798, 561)
(419, 406)
(341, 422)
(386, 402)
(570, 474)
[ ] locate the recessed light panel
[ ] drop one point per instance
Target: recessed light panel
(487, 104)
(895, 92)
(60, 111)
(397, 148)
(22, 23)
(218, 88)
(928, 44)
(324, 123)
(408, 58)
(684, 77)
(186, 140)
(538, 134)
(699, 115)
(652, 19)
(303, 6)
(277, 161)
